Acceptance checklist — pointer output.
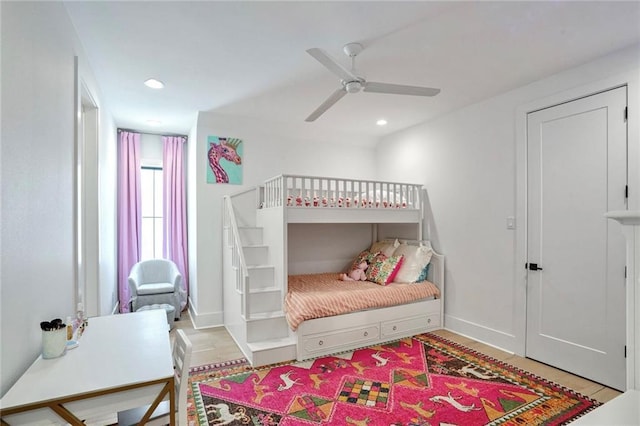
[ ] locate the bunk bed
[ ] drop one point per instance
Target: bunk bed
(287, 204)
(416, 308)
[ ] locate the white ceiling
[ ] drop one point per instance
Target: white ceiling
(248, 58)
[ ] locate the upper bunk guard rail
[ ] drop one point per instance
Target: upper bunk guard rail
(238, 261)
(314, 191)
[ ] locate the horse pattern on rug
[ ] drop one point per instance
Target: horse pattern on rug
(419, 381)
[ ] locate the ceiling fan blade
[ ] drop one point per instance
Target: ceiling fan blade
(335, 97)
(331, 64)
(399, 89)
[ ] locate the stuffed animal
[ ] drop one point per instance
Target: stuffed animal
(358, 274)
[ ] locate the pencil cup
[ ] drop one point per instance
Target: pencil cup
(54, 343)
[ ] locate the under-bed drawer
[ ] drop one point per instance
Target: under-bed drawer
(433, 321)
(340, 338)
(405, 326)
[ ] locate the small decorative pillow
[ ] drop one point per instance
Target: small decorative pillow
(424, 273)
(415, 259)
(386, 247)
(364, 256)
(383, 269)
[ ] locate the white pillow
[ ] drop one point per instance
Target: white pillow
(415, 259)
(386, 247)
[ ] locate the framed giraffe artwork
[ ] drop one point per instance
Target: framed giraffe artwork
(225, 160)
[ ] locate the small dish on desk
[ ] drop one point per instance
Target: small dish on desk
(72, 344)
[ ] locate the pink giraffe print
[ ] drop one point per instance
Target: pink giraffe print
(227, 149)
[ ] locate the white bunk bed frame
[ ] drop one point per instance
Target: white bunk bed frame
(288, 199)
(362, 201)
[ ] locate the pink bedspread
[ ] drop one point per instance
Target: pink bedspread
(323, 295)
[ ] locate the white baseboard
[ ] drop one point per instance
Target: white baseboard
(488, 336)
(206, 319)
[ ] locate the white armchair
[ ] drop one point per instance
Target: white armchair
(155, 281)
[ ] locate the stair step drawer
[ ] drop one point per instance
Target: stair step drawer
(251, 236)
(267, 329)
(265, 301)
(261, 277)
(255, 255)
(339, 338)
(404, 326)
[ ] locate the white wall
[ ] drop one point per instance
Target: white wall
(269, 150)
(151, 150)
(467, 161)
(37, 275)
(107, 213)
(335, 246)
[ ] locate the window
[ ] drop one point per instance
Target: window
(151, 197)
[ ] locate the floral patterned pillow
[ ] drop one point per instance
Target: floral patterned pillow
(383, 269)
(364, 256)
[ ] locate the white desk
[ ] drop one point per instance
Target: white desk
(623, 410)
(122, 362)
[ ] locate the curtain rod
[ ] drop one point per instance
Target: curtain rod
(152, 133)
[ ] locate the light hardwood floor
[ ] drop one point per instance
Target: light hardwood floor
(212, 345)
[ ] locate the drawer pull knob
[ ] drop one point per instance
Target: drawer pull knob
(429, 321)
(366, 333)
(395, 327)
(320, 343)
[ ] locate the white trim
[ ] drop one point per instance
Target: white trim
(631, 224)
(480, 333)
(631, 80)
(205, 320)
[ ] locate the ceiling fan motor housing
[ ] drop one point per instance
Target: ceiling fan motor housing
(353, 86)
(352, 49)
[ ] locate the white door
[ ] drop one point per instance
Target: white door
(577, 171)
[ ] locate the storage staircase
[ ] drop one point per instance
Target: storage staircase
(254, 286)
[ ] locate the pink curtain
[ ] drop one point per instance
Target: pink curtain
(175, 208)
(129, 216)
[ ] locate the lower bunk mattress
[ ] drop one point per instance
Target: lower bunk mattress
(322, 295)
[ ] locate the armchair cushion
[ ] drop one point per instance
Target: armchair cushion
(155, 288)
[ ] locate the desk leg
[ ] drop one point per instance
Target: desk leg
(172, 408)
(66, 414)
(168, 388)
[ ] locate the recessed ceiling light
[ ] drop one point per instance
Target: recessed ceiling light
(381, 122)
(154, 122)
(154, 84)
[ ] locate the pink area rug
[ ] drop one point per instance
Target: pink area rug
(419, 381)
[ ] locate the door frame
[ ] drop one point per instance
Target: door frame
(632, 82)
(86, 196)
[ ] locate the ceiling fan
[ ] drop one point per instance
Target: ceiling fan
(353, 83)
